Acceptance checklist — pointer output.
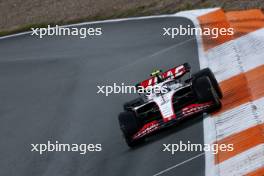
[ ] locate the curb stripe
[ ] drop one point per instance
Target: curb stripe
(226, 124)
(245, 21)
(215, 19)
(243, 88)
(258, 172)
(238, 64)
(235, 91)
(242, 141)
(244, 163)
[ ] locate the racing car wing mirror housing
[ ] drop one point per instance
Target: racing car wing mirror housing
(187, 66)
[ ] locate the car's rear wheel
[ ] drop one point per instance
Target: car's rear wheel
(129, 125)
(205, 92)
(207, 72)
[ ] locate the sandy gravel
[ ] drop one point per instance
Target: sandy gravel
(15, 14)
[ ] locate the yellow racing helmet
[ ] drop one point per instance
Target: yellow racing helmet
(156, 72)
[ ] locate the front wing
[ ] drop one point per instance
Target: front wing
(156, 125)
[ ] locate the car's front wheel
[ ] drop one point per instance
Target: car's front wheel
(129, 125)
(207, 72)
(205, 92)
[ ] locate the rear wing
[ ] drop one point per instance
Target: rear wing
(173, 73)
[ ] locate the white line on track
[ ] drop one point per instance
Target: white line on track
(179, 164)
(96, 22)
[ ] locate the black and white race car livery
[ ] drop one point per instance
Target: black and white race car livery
(168, 98)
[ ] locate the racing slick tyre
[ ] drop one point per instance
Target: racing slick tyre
(136, 102)
(205, 92)
(129, 125)
(207, 72)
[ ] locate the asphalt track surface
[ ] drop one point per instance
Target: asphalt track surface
(48, 92)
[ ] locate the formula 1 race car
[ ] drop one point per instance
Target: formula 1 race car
(167, 98)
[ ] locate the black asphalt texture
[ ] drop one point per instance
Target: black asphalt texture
(48, 91)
